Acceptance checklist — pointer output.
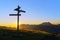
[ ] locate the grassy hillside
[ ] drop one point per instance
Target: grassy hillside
(23, 35)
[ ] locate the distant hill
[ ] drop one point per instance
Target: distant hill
(8, 28)
(46, 26)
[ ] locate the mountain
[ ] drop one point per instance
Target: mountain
(46, 26)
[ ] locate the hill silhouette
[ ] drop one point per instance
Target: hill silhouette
(8, 34)
(46, 26)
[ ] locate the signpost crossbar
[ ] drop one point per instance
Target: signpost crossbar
(14, 14)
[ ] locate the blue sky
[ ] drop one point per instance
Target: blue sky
(36, 11)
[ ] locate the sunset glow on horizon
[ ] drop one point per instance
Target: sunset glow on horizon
(33, 23)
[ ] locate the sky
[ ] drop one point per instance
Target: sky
(37, 11)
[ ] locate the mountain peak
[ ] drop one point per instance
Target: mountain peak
(46, 23)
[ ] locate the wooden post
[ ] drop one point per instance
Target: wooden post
(18, 11)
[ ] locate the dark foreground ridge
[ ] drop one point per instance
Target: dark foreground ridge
(22, 35)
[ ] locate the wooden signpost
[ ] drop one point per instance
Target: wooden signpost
(18, 11)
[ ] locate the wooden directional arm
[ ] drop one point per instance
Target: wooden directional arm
(22, 11)
(19, 10)
(14, 14)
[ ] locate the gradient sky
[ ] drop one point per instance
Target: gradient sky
(37, 11)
